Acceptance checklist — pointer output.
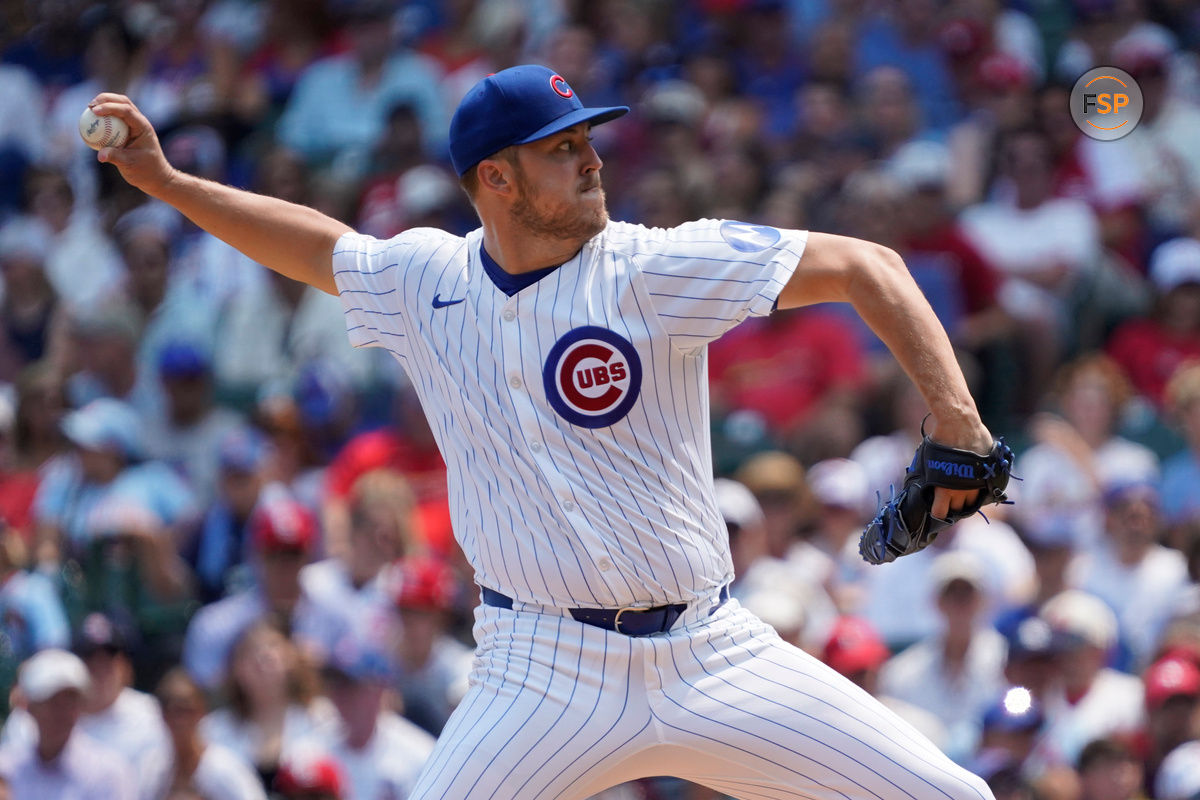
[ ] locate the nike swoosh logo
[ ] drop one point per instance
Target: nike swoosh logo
(438, 302)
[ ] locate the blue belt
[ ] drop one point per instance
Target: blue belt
(629, 621)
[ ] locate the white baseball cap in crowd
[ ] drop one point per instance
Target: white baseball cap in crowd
(956, 565)
(920, 165)
(1175, 263)
(49, 672)
(841, 483)
(737, 504)
(25, 236)
(1081, 616)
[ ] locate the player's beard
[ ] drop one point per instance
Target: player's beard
(574, 222)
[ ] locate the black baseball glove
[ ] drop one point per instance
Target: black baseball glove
(905, 524)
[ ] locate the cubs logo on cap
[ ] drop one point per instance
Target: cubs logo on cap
(592, 377)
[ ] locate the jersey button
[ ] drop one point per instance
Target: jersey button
(515, 382)
(604, 564)
(510, 315)
(568, 506)
(536, 447)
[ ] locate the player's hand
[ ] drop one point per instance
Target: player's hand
(141, 161)
(970, 435)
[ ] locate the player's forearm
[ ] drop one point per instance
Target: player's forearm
(291, 239)
(887, 298)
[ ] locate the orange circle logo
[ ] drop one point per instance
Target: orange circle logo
(1106, 103)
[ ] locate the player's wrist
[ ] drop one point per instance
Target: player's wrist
(964, 431)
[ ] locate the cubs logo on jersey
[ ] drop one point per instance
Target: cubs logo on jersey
(746, 237)
(592, 377)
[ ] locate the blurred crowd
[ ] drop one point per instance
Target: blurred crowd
(226, 564)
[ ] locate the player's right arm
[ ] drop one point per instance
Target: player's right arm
(291, 239)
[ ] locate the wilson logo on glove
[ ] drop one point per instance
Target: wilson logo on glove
(950, 468)
(905, 523)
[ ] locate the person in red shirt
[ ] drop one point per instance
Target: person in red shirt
(1151, 348)
(406, 446)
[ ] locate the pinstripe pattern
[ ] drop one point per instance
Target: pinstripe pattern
(559, 710)
(558, 509)
(548, 511)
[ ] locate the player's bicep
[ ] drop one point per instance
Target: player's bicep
(826, 270)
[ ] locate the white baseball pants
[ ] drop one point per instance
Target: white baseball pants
(559, 710)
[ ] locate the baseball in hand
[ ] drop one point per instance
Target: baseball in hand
(101, 132)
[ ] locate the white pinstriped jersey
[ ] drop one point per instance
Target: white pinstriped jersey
(573, 415)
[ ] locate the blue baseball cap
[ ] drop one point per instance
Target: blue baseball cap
(517, 105)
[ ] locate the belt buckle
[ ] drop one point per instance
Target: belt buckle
(617, 618)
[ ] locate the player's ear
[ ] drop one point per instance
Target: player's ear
(495, 175)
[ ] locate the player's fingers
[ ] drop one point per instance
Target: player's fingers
(117, 156)
(941, 503)
(118, 105)
(947, 500)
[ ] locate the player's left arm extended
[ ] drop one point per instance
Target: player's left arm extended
(875, 280)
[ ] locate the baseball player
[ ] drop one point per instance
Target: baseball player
(560, 359)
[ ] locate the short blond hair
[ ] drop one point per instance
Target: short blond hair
(388, 490)
(1120, 390)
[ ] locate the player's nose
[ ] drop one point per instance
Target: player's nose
(591, 160)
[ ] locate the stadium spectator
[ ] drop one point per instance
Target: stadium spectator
(188, 434)
(999, 90)
(349, 591)
(1078, 451)
(31, 614)
(283, 535)
(273, 701)
(1042, 247)
(799, 370)
(965, 662)
(188, 761)
(431, 666)
(35, 438)
(1088, 700)
(60, 760)
(1109, 770)
(381, 752)
(124, 719)
(339, 103)
(223, 545)
(939, 254)
(1172, 710)
(855, 650)
(295, 34)
(829, 557)
(405, 445)
(1151, 349)
(75, 238)
(115, 515)
(29, 302)
(904, 35)
(1009, 729)
(1167, 170)
(272, 332)
(113, 712)
(1139, 578)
